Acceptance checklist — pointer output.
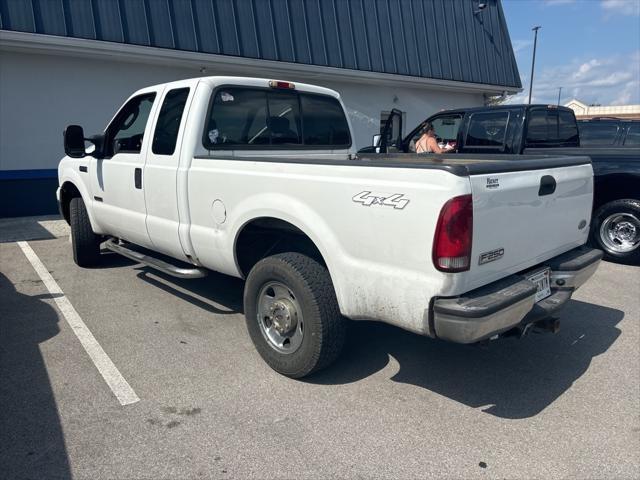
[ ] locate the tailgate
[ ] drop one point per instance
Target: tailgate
(521, 218)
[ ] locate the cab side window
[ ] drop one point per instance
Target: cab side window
(126, 132)
(168, 124)
(487, 130)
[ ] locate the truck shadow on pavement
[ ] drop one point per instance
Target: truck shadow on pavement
(217, 288)
(31, 438)
(509, 378)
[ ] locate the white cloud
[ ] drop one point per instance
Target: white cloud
(520, 45)
(586, 68)
(613, 80)
(621, 7)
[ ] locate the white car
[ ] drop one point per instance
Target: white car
(258, 179)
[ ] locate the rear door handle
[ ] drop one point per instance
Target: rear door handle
(137, 177)
(547, 185)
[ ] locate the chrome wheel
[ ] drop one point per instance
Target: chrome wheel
(280, 317)
(620, 232)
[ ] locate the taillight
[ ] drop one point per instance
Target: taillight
(454, 232)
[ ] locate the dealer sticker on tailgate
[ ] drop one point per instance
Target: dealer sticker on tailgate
(540, 279)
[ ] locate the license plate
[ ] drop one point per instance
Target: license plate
(541, 280)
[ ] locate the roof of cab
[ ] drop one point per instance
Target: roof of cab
(217, 81)
(265, 82)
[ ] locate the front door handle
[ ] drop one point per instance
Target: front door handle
(137, 177)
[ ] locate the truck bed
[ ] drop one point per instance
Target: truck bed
(462, 165)
(472, 164)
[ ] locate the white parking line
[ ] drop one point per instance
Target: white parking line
(118, 385)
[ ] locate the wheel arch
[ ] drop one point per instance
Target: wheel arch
(71, 186)
(615, 187)
(261, 236)
(68, 191)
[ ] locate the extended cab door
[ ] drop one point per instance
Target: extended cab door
(160, 181)
(116, 179)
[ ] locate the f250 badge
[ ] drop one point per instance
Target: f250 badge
(366, 198)
(491, 256)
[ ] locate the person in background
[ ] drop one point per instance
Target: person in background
(427, 143)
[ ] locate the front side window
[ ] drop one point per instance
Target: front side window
(446, 128)
(165, 135)
(487, 130)
(126, 132)
(600, 134)
(244, 118)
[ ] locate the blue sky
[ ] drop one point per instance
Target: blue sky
(591, 48)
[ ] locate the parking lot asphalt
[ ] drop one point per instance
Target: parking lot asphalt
(396, 405)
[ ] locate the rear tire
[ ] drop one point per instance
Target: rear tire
(616, 230)
(84, 243)
(292, 314)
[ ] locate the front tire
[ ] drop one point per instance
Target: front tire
(616, 230)
(84, 243)
(292, 314)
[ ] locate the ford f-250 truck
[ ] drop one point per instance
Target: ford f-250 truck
(549, 130)
(258, 179)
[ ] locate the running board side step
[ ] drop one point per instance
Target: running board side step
(153, 262)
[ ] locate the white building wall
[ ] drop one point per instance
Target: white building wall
(41, 94)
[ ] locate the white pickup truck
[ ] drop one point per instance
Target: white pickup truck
(258, 179)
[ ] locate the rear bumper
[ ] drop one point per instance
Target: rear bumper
(503, 305)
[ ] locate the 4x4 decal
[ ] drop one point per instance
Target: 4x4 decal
(366, 198)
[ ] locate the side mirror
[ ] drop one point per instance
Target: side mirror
(74, 141)
(376, 142)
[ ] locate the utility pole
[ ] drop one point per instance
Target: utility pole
(559, 93)
(533, 62)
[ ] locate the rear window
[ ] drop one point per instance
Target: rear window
(487, 130)
(245, 118)
(600, 134)
(324, 121)
(548, 128)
